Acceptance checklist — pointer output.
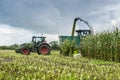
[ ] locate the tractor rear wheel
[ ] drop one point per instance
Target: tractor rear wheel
(25, 51)
(44, 49)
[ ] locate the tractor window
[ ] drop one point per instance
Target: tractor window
(38, 39)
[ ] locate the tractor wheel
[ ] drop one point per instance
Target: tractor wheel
(17, 50)
(25, 51)
(44, 49)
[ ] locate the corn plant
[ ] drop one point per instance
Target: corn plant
(67, 47)
(104, 46)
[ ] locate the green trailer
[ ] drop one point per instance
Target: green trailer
(70, 38)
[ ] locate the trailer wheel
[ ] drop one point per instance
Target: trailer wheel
(61, 52)
(25, 51)
(44, 49)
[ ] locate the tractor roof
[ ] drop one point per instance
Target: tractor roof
(39, 37)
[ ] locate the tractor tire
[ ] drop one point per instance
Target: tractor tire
(18, 50)
(25, 51)
(44, 49)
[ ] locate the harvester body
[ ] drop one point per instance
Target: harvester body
(80, 33)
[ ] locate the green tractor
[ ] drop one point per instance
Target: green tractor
(38, 45)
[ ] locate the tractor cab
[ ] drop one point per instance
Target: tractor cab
(83, 33)
(37, 40)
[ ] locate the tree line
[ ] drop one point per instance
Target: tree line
(54, 46)
(11, 47)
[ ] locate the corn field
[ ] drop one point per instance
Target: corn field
(104, 46)
(54, 67)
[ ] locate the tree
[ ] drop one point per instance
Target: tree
(14, 46)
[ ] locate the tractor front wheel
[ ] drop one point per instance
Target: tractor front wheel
(44, 49)
(25, 51)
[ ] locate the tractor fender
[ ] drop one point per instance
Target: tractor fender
(43, 44)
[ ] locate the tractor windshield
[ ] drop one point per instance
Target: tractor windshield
(38, 39)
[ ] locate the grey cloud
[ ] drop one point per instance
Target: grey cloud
(40, 15)
(55, 16)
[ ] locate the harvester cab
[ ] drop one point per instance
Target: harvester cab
(83, 33)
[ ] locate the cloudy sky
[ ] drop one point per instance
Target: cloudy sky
(21, 19)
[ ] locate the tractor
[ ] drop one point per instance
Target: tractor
(80, 34)
(38, 45)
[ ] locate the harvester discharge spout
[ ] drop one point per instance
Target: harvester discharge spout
(74, 25)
